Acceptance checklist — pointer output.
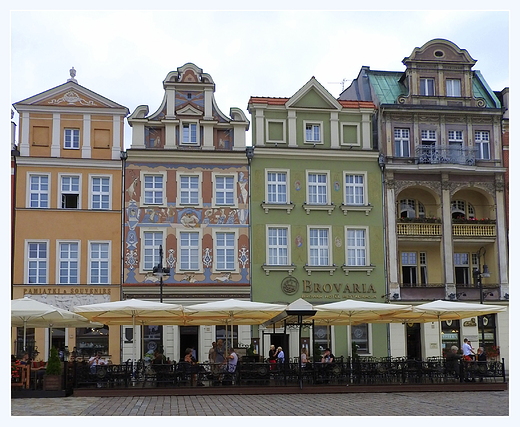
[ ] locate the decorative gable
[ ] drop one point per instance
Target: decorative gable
(313, 95)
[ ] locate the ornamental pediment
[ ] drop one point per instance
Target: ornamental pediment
(189, 110)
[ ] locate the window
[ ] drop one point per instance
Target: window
(317, 188)
(410, 208)
(354, 189)
(151, 242)
(189, 250)
(321, 337)
(153, 189)
(189, 133)
(428, 137)
(189, 190)
(482, 145)
(312, 132)
(225, 251)
(68, 263)
(70, 192)
(277, 246)
(427, 87)
(422, 267)
(38, 191)
(359, 338)
(461, 262)
(402, 142)
(71, 140)
(319, 249)
(356, 247)
(452, 87)
(37, 263)
(462, 210)
(409, 268)
(455, 137)
(276, 187)
(224, 190)
(100, 192)
(99, 263)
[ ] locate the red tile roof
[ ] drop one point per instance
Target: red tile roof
(282, 101)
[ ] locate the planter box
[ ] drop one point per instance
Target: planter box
(52, 382)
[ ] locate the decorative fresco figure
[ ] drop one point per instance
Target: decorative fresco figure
(242, 182)
(131, 188)
(189, 220)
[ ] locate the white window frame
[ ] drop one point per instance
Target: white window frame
(367, 267)
(217, 248)
(402, 142)
(365, 248)
(455, 137)
(355, 185)
(284, 133)
(277, 246)
(181, 249)
(481, 142)
(277, 184)
(226, 191)
(317, 186)
(143, 175)
(313, 124)
(38, 192)
(62, 193)
(453, 89)
(28, 260)
(424, 86)
(180, 190)
(71, 138)
(319, 247)
(101, 194)
(191, 125)
(91, 259)
(358, 133)
(144, 266)
(410, 264)
(68, 261)
(429, 137)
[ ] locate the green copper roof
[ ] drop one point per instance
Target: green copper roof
(386, 85)
(482, 90)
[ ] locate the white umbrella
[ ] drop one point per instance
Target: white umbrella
(450, 310)
(133, 311)
(352, 311)
(231, 312)
(30, 313)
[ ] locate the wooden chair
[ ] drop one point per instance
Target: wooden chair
(20, 376)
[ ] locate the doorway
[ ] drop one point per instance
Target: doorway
(281, 340)
(189, 338)
(413, 341)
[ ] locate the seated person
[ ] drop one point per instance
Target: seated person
(327, 356)
(232, 361)
(96, 360)
(194, 368)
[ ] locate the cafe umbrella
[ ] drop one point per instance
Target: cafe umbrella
(133, 311)
(30, 313)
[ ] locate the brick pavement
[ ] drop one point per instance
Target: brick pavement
(494, 403)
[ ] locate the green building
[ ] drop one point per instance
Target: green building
(316, 213)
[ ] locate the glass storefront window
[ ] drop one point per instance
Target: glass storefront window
(152, 339)
(360, 338)
(224, 334)
(487, 335)
(29, 343)
(91, 340)
(450, 335)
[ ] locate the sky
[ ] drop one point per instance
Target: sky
(123, 52)
(125, 55)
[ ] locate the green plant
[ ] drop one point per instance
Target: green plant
(53, 364)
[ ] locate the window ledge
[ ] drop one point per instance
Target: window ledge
(268, 268)
(348, 268)
(318, 268)
(287, 206)
(356, 208)
(311, 207)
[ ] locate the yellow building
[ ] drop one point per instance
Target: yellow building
(67, 212)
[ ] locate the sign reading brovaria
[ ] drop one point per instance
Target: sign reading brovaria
(314, 290)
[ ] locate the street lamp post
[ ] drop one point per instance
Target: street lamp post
(160, 272)
(480, 272)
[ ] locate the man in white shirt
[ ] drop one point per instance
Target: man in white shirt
(467, 350)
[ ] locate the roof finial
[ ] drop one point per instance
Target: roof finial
(72, 72)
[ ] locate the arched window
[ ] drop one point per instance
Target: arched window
(461, 209)
(410, 208)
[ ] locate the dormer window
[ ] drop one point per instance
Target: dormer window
(427, 87)
(453, 87)
(189, 133)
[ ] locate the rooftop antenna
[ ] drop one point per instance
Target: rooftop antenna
(342, 83)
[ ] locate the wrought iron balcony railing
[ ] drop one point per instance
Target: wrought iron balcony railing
(434, 154)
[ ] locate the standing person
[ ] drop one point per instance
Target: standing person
(467, 351)
(272, 356)
(94, 362)
(304, 357)
(219, 350)
(452, 361)
(212, 352)
(280, 355)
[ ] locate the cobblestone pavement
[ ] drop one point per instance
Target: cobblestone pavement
(348, 404)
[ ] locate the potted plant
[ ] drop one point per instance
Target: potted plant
(53, 371)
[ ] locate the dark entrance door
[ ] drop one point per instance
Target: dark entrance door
(413, 341)
(189, 338)
(281, 340)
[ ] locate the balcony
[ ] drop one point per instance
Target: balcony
(445, 154)
(474, 228)
(426, 227)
